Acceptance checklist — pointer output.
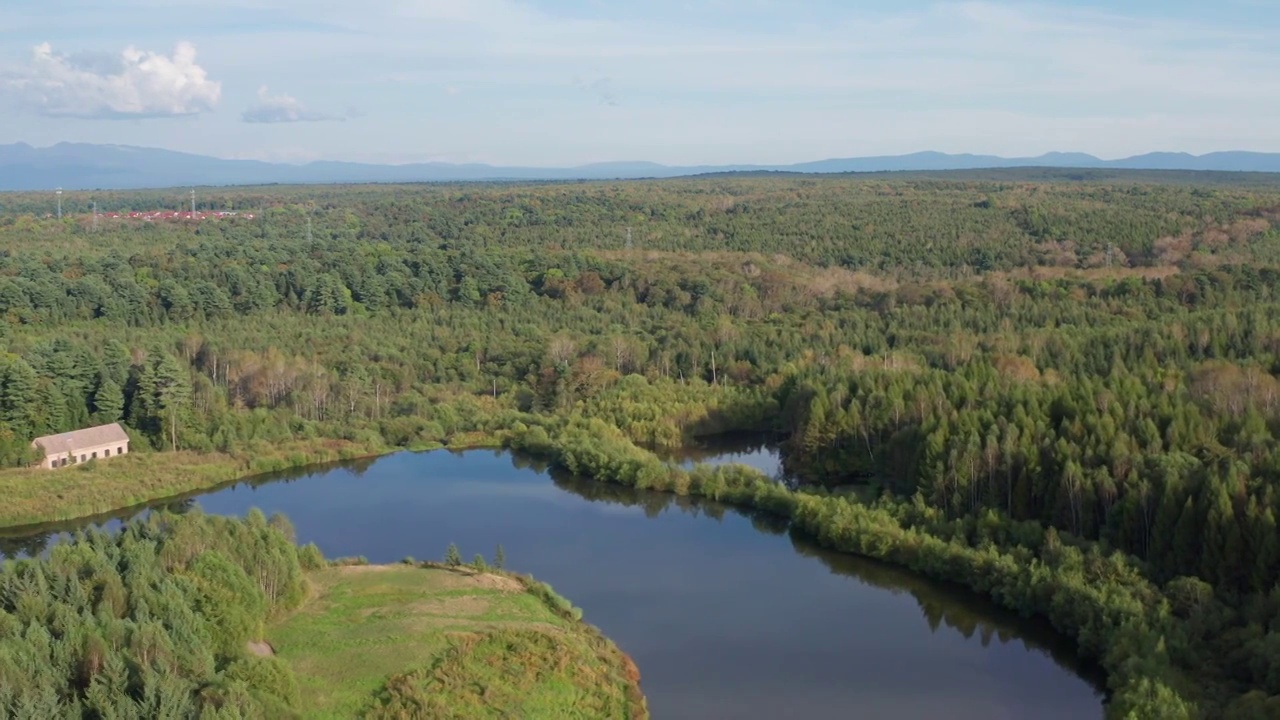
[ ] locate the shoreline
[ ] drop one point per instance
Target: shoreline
(199, 474)
(448, 618)
(728, 495)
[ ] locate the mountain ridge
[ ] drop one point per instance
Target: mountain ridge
(86, 166)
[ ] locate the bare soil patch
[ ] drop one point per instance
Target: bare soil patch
(357, 569)
(261, 649)
(463, 578)
(498, 582)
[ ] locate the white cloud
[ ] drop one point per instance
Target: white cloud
(281, 109)
(1015, 53)
(134, 84)
(713, 80)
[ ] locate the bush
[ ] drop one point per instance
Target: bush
(310, 557)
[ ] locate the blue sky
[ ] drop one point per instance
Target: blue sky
(560, 82)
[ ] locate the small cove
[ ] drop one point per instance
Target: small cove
(728, 614)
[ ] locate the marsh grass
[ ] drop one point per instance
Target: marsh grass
(34, 495)
(429, 641)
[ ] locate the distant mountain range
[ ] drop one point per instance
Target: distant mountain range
(78, 166)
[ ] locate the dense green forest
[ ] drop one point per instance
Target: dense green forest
(153, 621)
(1075, 378)
(170, 618)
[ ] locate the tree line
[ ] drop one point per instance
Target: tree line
(1004, 362)
(152, 621)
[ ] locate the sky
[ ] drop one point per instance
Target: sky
(566, 82)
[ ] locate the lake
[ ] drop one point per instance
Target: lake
(728, 614)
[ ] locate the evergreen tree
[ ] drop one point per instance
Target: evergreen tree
(166, 394)
(18, 402)
(452, 556)
(51, 409)
(108, 400)
(150, 621)
(499, 557)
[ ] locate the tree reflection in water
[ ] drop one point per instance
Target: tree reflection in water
(941, 604)
(32, 540)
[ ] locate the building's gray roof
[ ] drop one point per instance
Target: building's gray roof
(79, 439)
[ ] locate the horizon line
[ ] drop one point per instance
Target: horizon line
(756, 165)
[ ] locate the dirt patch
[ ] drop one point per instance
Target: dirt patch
(498, 582)
(357, 569)
(261, 649)
(463, 578)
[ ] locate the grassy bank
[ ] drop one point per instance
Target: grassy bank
(35, 496)
(411, 641)
(1099, 599)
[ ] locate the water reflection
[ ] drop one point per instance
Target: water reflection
(32, 540)
(754, 449)
(941, 604)
(728, 613)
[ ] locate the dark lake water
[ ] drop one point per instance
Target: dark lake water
(726, 614)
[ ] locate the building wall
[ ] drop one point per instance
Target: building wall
(55, 460)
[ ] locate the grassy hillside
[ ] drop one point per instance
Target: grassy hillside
(409, 641)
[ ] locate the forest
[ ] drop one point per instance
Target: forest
(187, 615)
(152, 621)
(1063, 392)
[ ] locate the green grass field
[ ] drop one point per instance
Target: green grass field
(34, 496)
(38, 496)
(411, 642)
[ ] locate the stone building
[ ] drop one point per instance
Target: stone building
(78, 446)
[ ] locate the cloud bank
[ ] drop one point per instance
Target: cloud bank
(281, 109)
(688, 83)
(134, 84)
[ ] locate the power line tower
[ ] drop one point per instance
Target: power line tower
(58, 192)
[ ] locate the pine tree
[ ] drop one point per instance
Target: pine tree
(18, 397)
(478, 563)
(499, 557)
(108, 400)
(116, 361)
(166, 393)
(51, 413)
(1187, 535)
(452, 557)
